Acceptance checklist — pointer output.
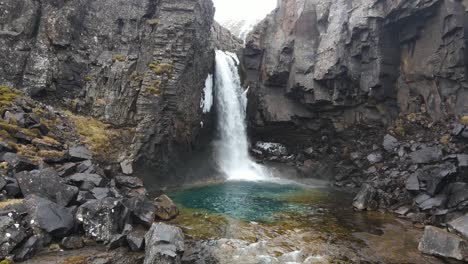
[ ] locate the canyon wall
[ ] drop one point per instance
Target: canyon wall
(315, 65)
(138, 65)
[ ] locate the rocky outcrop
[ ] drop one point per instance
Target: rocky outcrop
(139, 66)
(317, 65)
(225, 40)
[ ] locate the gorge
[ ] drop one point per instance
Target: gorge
(336, 132)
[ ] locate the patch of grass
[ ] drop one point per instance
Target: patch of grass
(161, 68)
(88, 78)
(464, 120)
(97, 135)
(9, 202)
(100, 102)
(47, 141)
(445, 139)
(151, 90)
(51, 155)
(12, 129)
(119, 57)
(7, 96)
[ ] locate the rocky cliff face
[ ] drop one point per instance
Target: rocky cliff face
(138, 65)
(357, 62)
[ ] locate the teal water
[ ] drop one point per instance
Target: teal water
(250, 201)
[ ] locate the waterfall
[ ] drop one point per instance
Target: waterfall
(231, 102)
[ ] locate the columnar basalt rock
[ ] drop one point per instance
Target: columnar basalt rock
(138, 65)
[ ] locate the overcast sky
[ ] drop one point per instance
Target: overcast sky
(243, 9)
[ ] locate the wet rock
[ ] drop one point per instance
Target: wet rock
(374, 158)
(434, 177)
(460, 226)
(366, 198)
(129, 181)
(48, 184)
(164, 244)
(28, 249)
(426, 155)
(127, 167)
(18, 162)
(136, 239)
(80, 178)
(72, 242)
(102, 219)
(141, 208)
(271, 149)
(165, 208)
(79, 153)
(12, 234)
(390, 143)
(431, 203)
(49, 216)
(438, 242)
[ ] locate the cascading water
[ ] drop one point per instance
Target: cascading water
(231, 102)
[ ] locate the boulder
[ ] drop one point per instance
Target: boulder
(390, 143)
(164, 244)
(136, 239)
(412, 183)
(374, 158)
(54, 219)
(438, 242)
(434, 177)
(426, 155)
(102, 219)
(48, 184)
(129, 181)
(433, 202)
(72, 242)
(80, 178)
(28, 249)
(18, 162)
(366, 198)
(127, 167)
(12, 233)
(458, 197)
(165, 208)
(142, 209)
(460, 226)
(78, 153)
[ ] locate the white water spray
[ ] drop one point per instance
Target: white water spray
(231, 102)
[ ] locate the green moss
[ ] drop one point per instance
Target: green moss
(119, 57)
(88, 78)
(161, 68)
(151, 90)
(7, 96)
(12, 129)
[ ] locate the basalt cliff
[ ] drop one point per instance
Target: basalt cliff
(372, 95)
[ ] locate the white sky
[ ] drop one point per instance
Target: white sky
(243, 9)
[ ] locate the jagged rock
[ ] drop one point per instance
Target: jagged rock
(12, 188)
(136, 239)
(458, 129)
(127, 167)
(84, 196)
(412, 183)
(80, 178)
(462, 160)
(458, 197)
(426, 155)
(79, 153)
(431, 203)
(12, 234)
(438, 242)
(390, 143)
(433, 177)
(129, 181)
(18, 162)
(101, 193)
(4, 147)
(102, 219)
(49, 216)
(116, 241)
(72, 242)
(164, 244)
(66, 169)
(28, 249)
(165, 208)
(366, 198)
(460, 226)
(374, 158)
(48, 184)
(142, 209)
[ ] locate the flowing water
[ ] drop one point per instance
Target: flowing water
(231, 101)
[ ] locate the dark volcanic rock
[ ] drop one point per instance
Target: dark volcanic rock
(79, 153)
(141, 208)
(460, 226)
(28, 249)
(129, 181)
(390, 143)
(164, 244)
(435, 176)
(72, 242)
(48, 184)
(80, 178)
(441, 243)
(102, 219)
(49, 216)
(136, 239)
(366, 198)
(12, 234)
(426, 155)
(18, 162)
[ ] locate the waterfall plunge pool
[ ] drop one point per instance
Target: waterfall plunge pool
(264, 222)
